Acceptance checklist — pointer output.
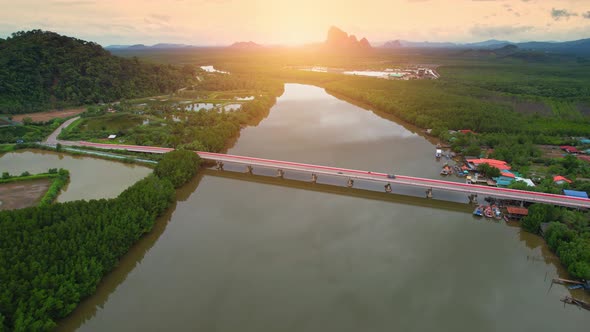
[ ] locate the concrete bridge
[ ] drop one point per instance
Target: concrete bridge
(350, 175)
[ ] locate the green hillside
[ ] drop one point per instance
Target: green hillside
(41, 70)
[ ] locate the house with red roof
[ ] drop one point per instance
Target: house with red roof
(558, 179)
(507, 174)
(499, 164)
(570, 149)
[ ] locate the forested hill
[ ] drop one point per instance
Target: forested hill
(40, 70)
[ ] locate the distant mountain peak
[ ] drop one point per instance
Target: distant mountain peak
(250, 45)
(338, 39)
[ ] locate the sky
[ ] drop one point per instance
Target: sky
(287, 22)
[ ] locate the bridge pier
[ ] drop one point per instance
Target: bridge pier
(472, 198)
(429, 193)
(249, 169)
(388, 188)
(314, 178)
(219, 166)
(280, 173)
(350, 183)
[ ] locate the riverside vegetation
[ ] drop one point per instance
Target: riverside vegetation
(567, 234)
(169, 124)
(54, 255)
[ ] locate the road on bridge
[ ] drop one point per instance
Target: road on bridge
(486, 191)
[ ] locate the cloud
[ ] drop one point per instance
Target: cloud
(72, 3)
(498, 31)
(586, 14)
(558, 14)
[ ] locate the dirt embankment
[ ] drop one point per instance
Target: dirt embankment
(21, 194)
(46, 116)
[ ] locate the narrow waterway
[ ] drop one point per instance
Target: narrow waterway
(241, 253)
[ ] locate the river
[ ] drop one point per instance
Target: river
(244, 253)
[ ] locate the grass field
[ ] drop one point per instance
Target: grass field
(110, 122)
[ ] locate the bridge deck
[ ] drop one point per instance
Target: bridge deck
(502, 193)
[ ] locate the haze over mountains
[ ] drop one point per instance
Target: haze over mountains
(337, 39)
(581, 46)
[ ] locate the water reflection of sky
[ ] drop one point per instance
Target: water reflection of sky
(309, 125)
(309, 112)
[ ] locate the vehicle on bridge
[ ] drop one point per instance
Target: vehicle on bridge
(391, 176)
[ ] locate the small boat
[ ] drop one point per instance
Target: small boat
(496, 212)
(478, 212)
(488, 212)
(438, 153)
(575, 287)
(446, 170)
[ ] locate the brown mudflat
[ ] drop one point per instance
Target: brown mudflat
(46, 116)
(21, 194)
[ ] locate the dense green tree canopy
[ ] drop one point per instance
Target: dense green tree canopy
(40, 70)
(178, 166)
(568, 234)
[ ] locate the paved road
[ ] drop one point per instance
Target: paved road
(486, 191)
(52, 139)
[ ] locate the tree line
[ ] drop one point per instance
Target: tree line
(567, 234)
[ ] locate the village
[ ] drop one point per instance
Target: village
(483, 170)
(406, 73)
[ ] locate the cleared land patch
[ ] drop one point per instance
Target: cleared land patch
(551, 151)
(46, 116)
(21, 194)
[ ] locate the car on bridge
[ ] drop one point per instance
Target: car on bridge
(391, 176)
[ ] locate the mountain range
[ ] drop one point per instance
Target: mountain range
(142, 46)
(581, 46)
(338, 40)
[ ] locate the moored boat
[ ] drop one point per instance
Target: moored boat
(496, 212)
(487, 212)
(478, 211)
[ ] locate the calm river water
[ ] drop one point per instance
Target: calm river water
(242, 255)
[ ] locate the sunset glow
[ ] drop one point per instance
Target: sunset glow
(220, 22)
